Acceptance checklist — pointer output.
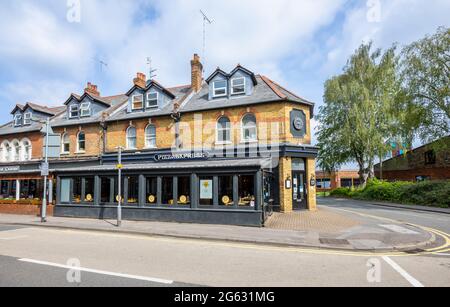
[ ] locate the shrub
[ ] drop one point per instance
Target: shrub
(341, 192)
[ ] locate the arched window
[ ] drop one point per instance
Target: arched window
(131, 138)
(150, 136)
(223, 130)
(16, 151)
(26, 149)
(81, 142)
(6, 151)
(65, 144)
(249, 130)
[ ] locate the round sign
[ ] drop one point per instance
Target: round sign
(183, 199)
(151, 199)
(226, 200)
(89, 197)
(119, 198)
(298, 123)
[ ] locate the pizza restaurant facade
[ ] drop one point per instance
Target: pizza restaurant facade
(226, 150)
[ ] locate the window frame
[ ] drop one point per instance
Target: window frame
(220, 131)
(71, 111)
(215, 95)
(88, 108)
(27, 119)
(147, 105)
(133, 100)
(78, 142)
(244, 86)
(243, 128)
(128, 138)
(147, 137)
(17, 120)
(63, 143)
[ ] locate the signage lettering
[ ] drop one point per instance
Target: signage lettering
(182, 156)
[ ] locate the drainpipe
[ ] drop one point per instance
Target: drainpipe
(176, 116)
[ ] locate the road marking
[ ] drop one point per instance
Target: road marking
(414, 282)
(81, 269)
(13, 238)
(399, 229)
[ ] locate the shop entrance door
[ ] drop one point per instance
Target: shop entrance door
(299, 190)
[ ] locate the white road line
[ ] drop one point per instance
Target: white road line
(402, 272)
(81, 269)
(13, 238)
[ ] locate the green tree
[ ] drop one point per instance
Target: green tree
(425, 70)
(361, 112)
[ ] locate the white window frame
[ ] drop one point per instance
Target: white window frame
(221, 130)
(78, 142)
(17, 151)
(157, 100)
(27, 117)
(232, 85)
(215, 89)
(148, 137)
(72, 109)
(63, 143)
(243, 128)
(17, 120)
(26, 147)
(85, 106)
(133, 98)
(128, 138)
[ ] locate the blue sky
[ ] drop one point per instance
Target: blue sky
(298, 43)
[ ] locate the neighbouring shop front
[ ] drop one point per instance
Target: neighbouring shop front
(198, 188)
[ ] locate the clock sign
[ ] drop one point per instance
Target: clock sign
(298, 123)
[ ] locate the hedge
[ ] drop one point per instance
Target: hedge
(428, 193)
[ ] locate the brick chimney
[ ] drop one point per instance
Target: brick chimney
(196, 73)
(140, 80)
(92, 89)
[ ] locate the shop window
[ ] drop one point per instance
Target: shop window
(4, 189)
(247, 191)
(206, 191)
(105, 190)
(76, 190)
(89, 184)
(65, 190)
(324, 183)
(133, 190)
(12, 193)
(346, 183)
(226, 191)
(184, 191)
(167, 191)
(151, 188)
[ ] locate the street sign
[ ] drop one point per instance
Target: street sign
(54, 146)
(45, 169)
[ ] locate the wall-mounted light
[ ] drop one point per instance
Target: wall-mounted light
(288, 183)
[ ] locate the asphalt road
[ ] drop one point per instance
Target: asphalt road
(45, 257)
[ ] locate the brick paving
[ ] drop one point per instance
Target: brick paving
(322, 221)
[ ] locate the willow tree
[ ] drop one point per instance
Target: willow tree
(360, 113)
(426, 75)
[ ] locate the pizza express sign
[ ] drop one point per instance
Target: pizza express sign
(298, 123)
(9, 169)
(182, 156)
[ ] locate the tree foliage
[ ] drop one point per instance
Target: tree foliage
(425, 71)
(360, 112)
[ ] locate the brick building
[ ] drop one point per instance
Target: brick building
(219, 150)
(428, 162)
(330, 181)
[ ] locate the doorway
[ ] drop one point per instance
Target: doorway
(299, 185)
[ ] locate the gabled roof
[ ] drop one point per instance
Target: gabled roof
(215, 73)
(43, 109)
(150, 84)
(99, 99)
(236, 69)
(17, 107)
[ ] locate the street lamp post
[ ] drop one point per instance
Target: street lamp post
(45, 171)
(119, 200)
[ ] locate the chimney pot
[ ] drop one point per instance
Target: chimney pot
(140, 80)
(92, 89)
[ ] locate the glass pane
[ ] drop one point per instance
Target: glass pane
(151, 191)
(167, 191)
(65, 190)
(184, 191)
(298, 165)
(105, 189)
(226, 191)
(76, 190)
(247, 191)
(206, 191)
(89, 190)
(133, 190)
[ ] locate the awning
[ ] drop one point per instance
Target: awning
(229, 163)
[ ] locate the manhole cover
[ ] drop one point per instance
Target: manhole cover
(334, 242)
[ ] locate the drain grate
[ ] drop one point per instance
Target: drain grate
(415, 251)
(334, 242)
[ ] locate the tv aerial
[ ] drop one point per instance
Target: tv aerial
(206, 21)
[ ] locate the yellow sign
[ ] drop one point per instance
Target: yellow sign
(226, 200)
(183, 199)
(119, 166)
(89, 197)
(119, 198)
(151, 199)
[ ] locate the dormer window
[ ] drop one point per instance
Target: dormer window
(74, 111)
(27, 119)
(238, 86)
(85, 109)
(220, 89)
(18, 120)
(137, 102)
(152, 100)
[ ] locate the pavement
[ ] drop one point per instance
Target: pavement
(328, 228)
